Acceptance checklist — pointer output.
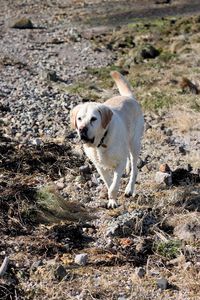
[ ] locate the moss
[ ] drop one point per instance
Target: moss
(195, 106)
(103, 75)
(84, 90)
(166, 56)
(170, 249)
(159, 25)
(157, 101)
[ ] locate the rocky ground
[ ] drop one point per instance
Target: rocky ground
(58, 238)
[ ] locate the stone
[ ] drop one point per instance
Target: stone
(23, 23)
(52, 76)
(162, 177)
(36, 142)
(140, 163)
(60, 272)
(84, 170)
(60, 184)
(188, 232)
(127, 223)
(36, 264)
(81, 259)
(140, 272)
(149, 51)
(164, 168)
(162, 283)
(121, 298)
(182, 150)
(80, 179)
(168, 132)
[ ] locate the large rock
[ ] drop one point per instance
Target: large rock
(188, 232)
(149, 51)
(23, 23)
(137, 222)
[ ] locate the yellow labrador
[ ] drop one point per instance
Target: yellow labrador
(111, 135)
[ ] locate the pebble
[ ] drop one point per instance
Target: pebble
(182, 150)
(164, 168)
(168, 132)
(60, 272)
(162, 283)
(36, 142)
(81, 259)
(84, 170)
(149, 52)
(162, 177)
(140, 272)
(80, 179)
(52, 76)
(36, 264)
(140, 163)
(60, 183)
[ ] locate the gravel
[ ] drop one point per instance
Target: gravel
(35, 75)
(129, 223)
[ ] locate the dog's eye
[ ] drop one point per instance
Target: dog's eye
(93, 119)
(79, 118)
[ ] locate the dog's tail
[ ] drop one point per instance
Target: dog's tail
(122, 84)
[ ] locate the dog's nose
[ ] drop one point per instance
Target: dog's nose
(83, 132)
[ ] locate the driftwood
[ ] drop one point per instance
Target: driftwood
(4, 266)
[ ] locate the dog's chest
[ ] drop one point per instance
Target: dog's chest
(102, 158)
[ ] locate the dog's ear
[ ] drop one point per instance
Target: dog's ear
(106, 115)
(73, 114)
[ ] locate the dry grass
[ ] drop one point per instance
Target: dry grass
(184, 120)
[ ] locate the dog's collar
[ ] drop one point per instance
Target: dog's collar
(102, 140)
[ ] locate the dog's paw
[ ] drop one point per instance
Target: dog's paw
(112, 203)
(129, 193)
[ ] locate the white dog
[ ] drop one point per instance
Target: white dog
(111, 134)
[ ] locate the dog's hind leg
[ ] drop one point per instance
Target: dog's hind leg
(128, 166)
(130, 189)
(135, 147)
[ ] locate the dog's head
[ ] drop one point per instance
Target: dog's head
(90, 120)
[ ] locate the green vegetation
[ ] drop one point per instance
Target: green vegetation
(83, 89)
(170, 249)
(103, 75)
(157, 100)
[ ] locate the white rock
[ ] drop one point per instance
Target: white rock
(81, 259)
(162, 177)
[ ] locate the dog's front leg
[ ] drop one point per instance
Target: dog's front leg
(105, 176)
(114, 187)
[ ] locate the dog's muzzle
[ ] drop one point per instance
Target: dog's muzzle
(83, 132)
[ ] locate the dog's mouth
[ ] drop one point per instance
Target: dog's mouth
(86, 140)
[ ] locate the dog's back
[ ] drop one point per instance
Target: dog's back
(125, 105)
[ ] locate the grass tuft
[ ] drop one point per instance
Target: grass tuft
(54, 208)
(170, 249)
